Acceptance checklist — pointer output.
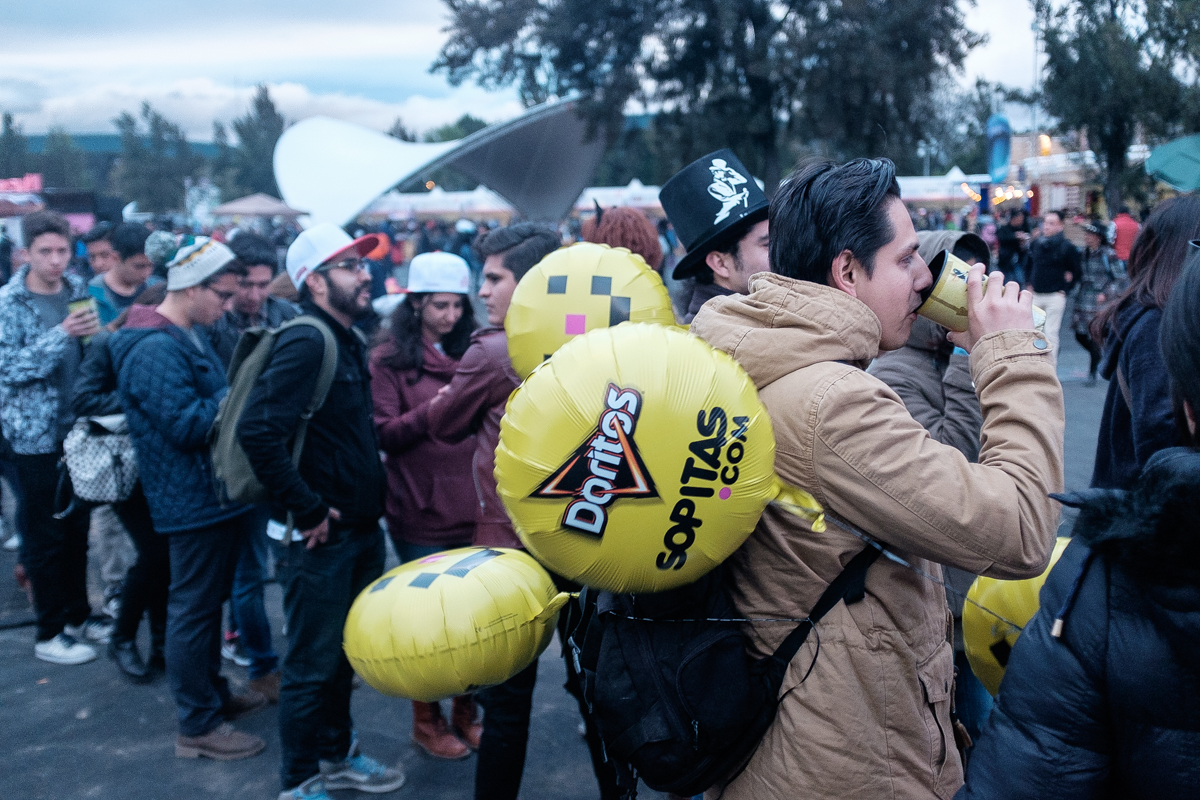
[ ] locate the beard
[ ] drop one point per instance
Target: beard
(346, 301)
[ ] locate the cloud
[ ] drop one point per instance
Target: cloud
(195, 103)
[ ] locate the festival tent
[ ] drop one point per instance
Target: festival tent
(1177, 163)
(538, 162)
(256, 205)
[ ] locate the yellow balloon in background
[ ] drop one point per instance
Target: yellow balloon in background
(451, 623)
(637, 459)
(578, 289)
(986, 639)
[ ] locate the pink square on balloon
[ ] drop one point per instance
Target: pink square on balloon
(576, 324)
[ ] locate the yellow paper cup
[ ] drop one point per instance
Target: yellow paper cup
(946, 299)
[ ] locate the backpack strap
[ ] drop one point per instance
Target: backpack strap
(324, 378)
(849, 585)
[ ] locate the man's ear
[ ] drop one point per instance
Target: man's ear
(845, 273)
(21, 256)
(720, 263)
(1190, 414)
(316, 284)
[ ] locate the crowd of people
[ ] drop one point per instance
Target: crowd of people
(361, 427)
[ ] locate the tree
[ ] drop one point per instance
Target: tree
(257, 134)
(764, 77)
(398, 131)
(153, 162)
(14, 150)
(222, 167)
(1107, 73)
(63, 164)
(463, 127)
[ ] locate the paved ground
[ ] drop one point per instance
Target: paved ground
(82, 732)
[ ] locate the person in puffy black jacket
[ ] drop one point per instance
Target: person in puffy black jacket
(1101, 697)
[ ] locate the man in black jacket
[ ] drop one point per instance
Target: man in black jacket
(1053, 264)
(334, 499)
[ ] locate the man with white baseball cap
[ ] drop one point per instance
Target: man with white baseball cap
(334, 495)
(171, 383)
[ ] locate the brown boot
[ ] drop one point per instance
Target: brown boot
(222, 743)
(267, 686)
(464, 719)
(239, 706)
(432, 734)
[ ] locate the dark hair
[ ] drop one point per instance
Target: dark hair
(403, 333)
(823, 209)
(100, 231)
(150, 296)
(1155, 260)
(129, 239)
(523, 245)
(254, 251)
(1179, 338)
(631, 229)
(971, 247)
(1059, 214)
(39, 223)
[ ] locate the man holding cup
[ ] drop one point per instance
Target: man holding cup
(869, 716)
(45, 320)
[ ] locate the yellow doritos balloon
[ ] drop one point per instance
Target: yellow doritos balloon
(988, 640)
(638, 458)
(452, 623)
(578, 289)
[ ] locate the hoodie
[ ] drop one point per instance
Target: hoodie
(1138, 418)
(430, 482)
(171, 385)
(1111, 707)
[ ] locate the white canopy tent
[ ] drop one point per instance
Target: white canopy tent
(538, 162)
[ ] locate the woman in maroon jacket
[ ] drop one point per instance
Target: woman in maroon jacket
(430, 503)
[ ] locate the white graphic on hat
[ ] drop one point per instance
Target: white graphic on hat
(723, 188)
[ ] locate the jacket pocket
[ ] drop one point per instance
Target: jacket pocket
(936, 675)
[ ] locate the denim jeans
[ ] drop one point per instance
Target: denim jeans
(314, 697)
(506, 709)
(971, 699)
(53, 551)
(247, 610)
(202, 565)
(411, 552)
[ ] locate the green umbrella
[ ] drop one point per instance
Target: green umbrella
(1177, 163)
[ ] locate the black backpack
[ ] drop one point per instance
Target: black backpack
(677, 700)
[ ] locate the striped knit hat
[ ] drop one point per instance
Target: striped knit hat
(197, 263)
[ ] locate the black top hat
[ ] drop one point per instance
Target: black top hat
(711, 201)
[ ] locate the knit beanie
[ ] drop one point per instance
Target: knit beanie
(197, 263)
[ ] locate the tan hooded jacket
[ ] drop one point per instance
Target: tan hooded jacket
(872, 719)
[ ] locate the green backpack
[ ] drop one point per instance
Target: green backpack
(234, 478)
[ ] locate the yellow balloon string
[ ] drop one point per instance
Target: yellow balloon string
(802, 504)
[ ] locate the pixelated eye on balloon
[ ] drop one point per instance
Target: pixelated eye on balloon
(601, 286)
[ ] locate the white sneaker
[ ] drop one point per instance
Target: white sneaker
(13, 543)
(63, 649)
(93, 629)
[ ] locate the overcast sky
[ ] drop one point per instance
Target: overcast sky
(78, 63)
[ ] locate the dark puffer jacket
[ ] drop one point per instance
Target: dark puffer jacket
(170, 390)
(1112, 708)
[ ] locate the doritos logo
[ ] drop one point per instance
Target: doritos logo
(605, 467)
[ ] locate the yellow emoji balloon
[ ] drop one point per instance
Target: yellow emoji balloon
(578, 289)
(989, 640)
(637, 459)
(451, 623)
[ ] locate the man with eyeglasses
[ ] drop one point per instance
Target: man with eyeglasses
(333, 499)
(248, 642)
(171, 383)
